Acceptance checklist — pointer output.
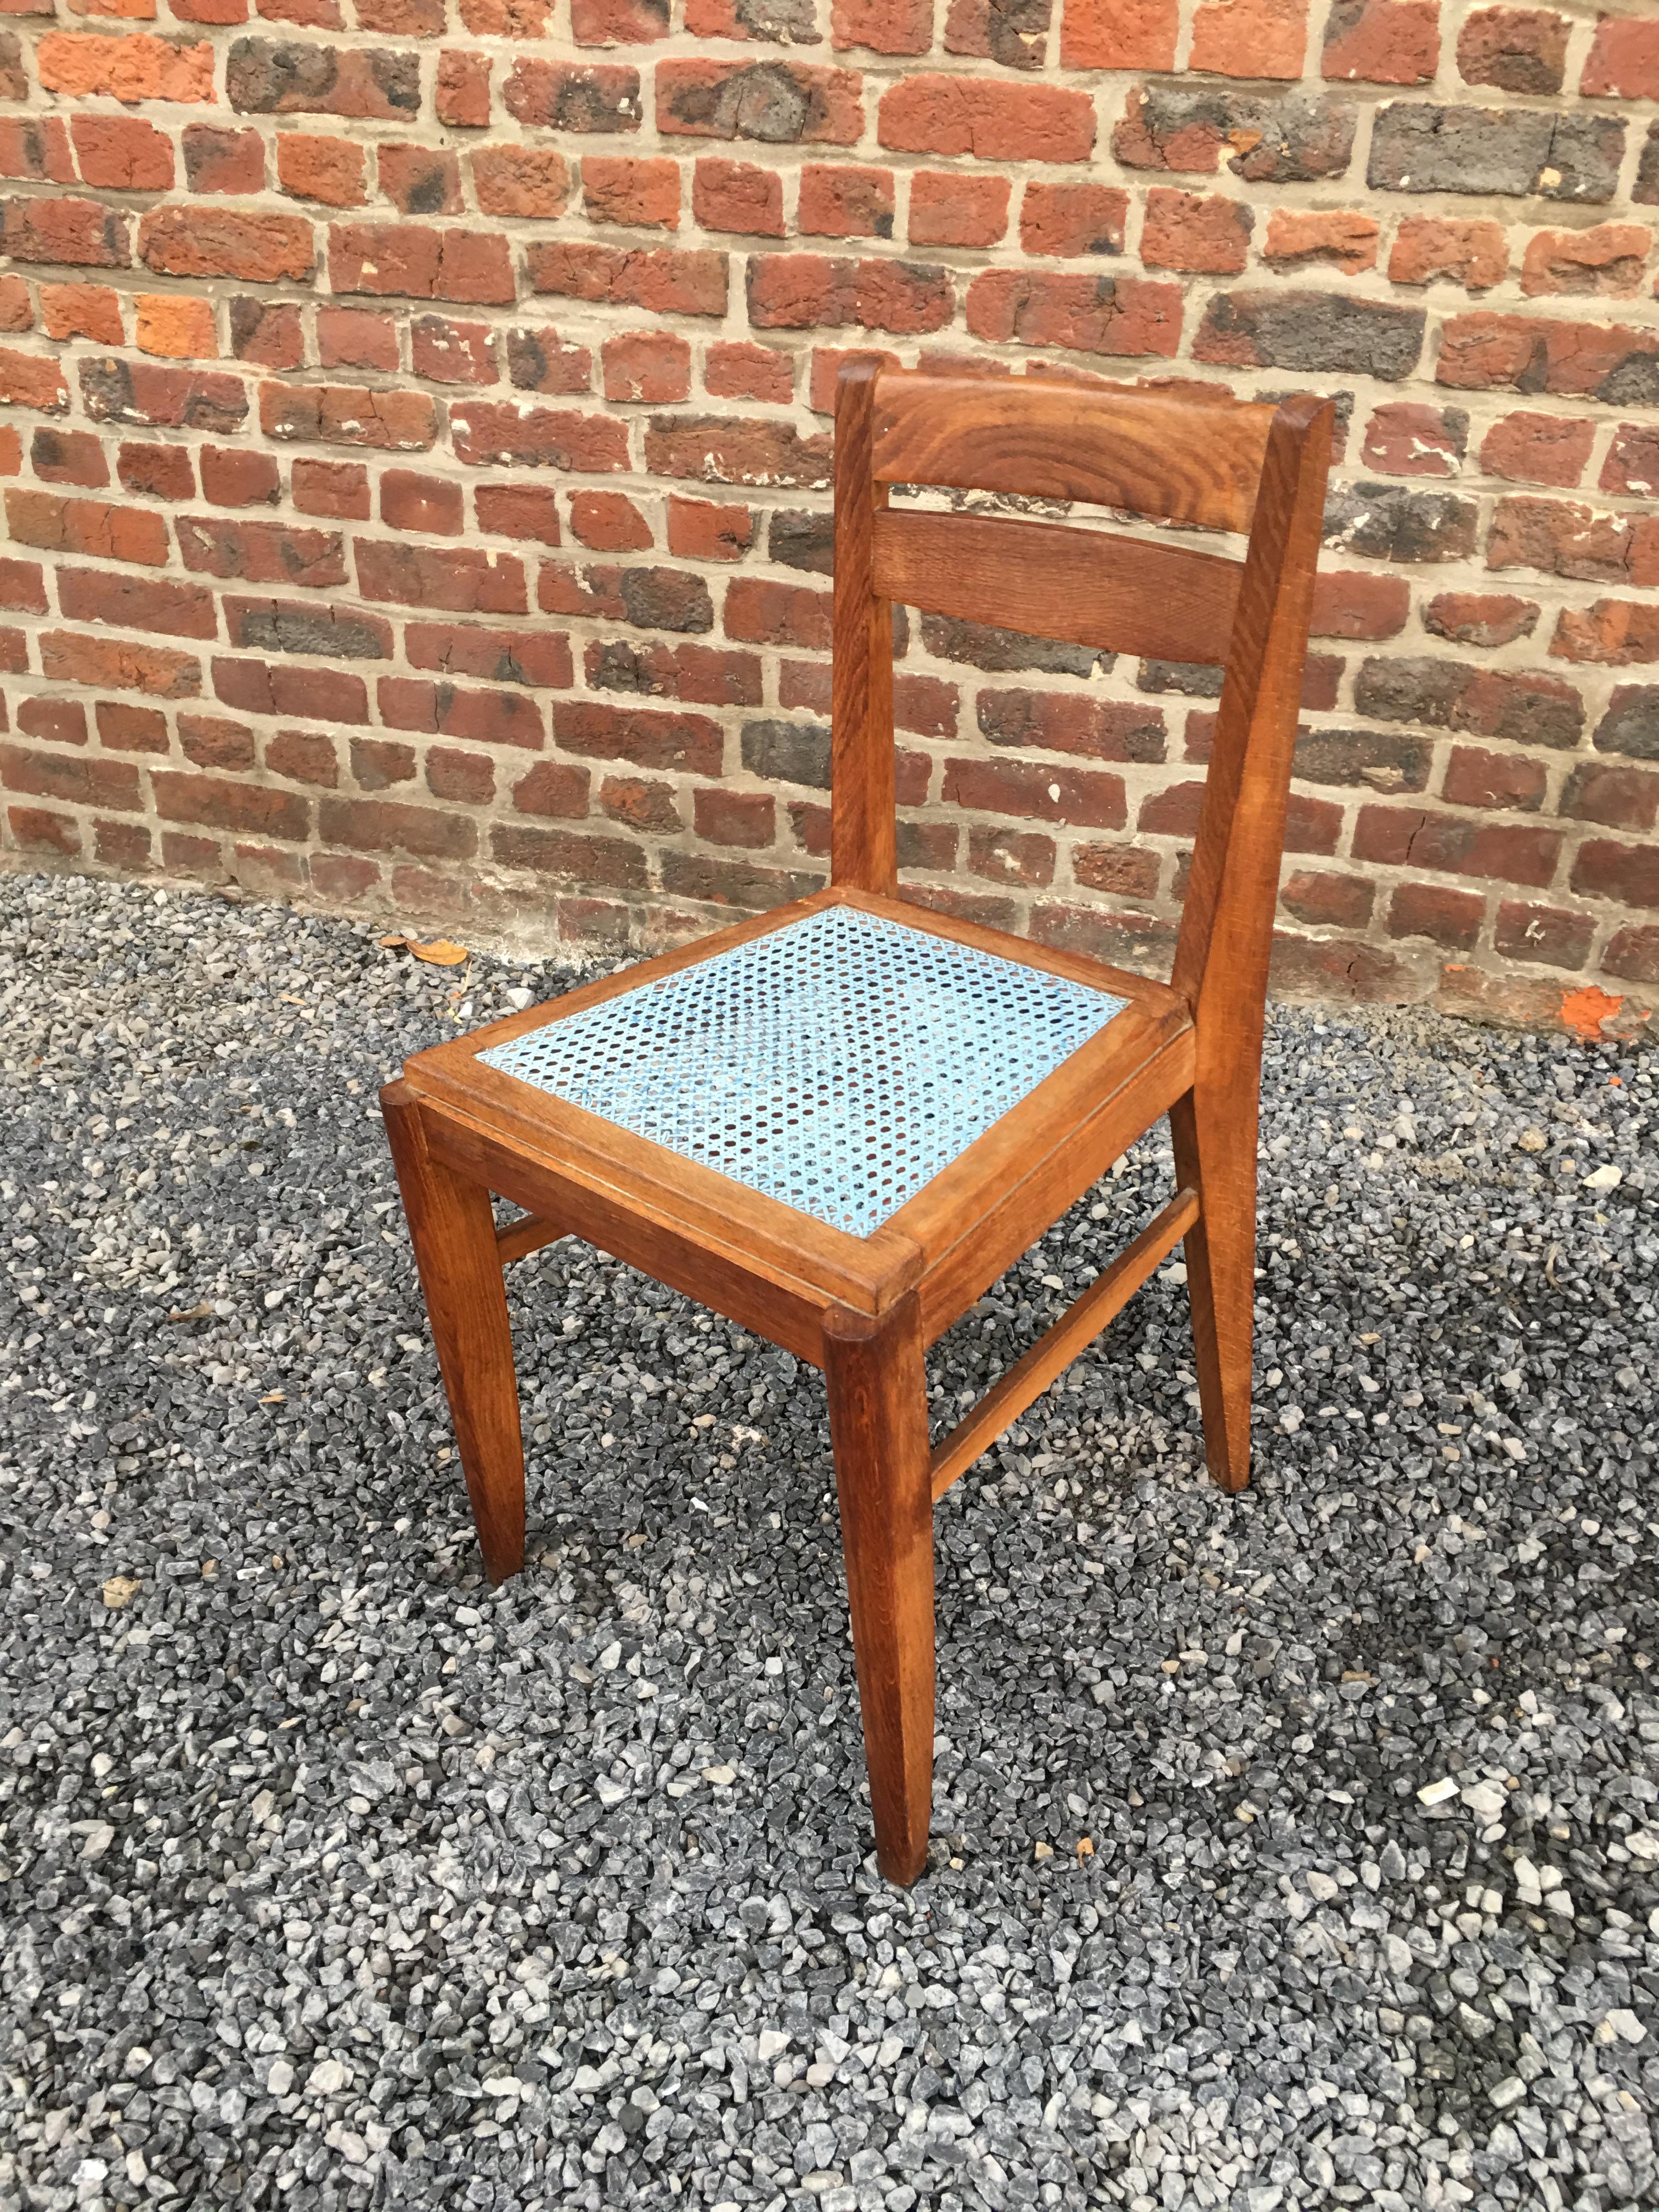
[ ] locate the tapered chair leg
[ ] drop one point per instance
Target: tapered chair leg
(453, 1229)
(878, 1427)
(1215, 1143)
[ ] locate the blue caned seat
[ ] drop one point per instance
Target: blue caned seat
(837, 1064)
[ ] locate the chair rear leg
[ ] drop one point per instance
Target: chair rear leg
(1215, 1154)
(452, 1228)
(878, 1427)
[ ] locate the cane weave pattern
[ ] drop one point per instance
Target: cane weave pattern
(837, 1064)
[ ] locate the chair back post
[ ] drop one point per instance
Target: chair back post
(1226, 925)
(863, 831)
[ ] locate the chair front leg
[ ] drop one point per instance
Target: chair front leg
(453, 1229)
(879, 1428)
(1215, 1154)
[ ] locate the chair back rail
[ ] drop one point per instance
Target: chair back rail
(1208, 463)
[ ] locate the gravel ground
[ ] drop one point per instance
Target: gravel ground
(1296, 1848)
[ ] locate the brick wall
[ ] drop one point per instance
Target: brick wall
(416, 452)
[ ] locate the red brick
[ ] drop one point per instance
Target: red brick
(1382, 41)
(333, 487)
(419, 180)
(120, 153)
(520, 180)
(1626, 873)
(760, 612)
(37, 150)
(1624, 61)
(518, 511)
(218, 805)
(445, 351)
(1563, 538)
(1477, 777)
(207, 742)
(1119, 34)
(1543, 449)
(467, 778)
(702, 531)
(232, 476)
(176, 325)
(663, 280)
(1446, 843)
(16, 308)
(1470, 618)
(386, 825)
(268, 332)
(948, 209)
(160, 471)
(800, 291)
(1406, 438)
(1125, 316)
(1606, 260)
(492, 718)
(57, 721)
(356, 338)
(460, 579)
(1617, 798)
(27, 381)
(1549, 934)
(136, 602)
(739, 371)
(38, 830)
(988, 117)
(1249, 37)
(1471, 252)
(84, 233)
(1071, 722)
(220, 161)
(377, 764)
(79, 779)
(488, 434)
(1632, 955)
(608, 521)
(86, 527)
(310, 166)
(410, 501)
(643, 194)
(128, 729)
(735, 195)
(640, 804)
(721, 449)
(1449, 917)
(348, 415)
(646, 367)
(1326, 901)
(133, 66)
(566, 97)
(1012, 856)
(618, 22)
(1186, 231)
(1519, 49)
(118, 665)
(649, 737)
(124, 845)
(845, 201)
(262, 552)
(81, 311)
(462, 94)
(1485, 352)
(885, 27)
(1299, 239)
(734, 817)
(1086, 798)
(403, 260)
(1611, 633)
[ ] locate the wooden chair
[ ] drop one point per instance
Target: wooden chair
(838, 1123)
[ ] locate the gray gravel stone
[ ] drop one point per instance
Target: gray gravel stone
(332, 1877)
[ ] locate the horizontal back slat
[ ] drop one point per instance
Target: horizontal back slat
(1087, 586)
(1168, 457)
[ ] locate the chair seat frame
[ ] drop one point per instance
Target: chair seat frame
(864, 1309)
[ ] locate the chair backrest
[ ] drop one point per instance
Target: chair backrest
(1217, 463)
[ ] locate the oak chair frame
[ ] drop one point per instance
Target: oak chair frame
(864, 1309)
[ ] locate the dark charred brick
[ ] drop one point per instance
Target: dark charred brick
(1271, 141)
(1397, 522)
(772, 102)
(1194, 679)
(1326, 332)
(1376, 759)
(1631, 725)
(267, 78)
(1419, 147)
(280, 626)
(798, 538)
(1489, 702)
(788, 752)
(666, 598)
(951, 638)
